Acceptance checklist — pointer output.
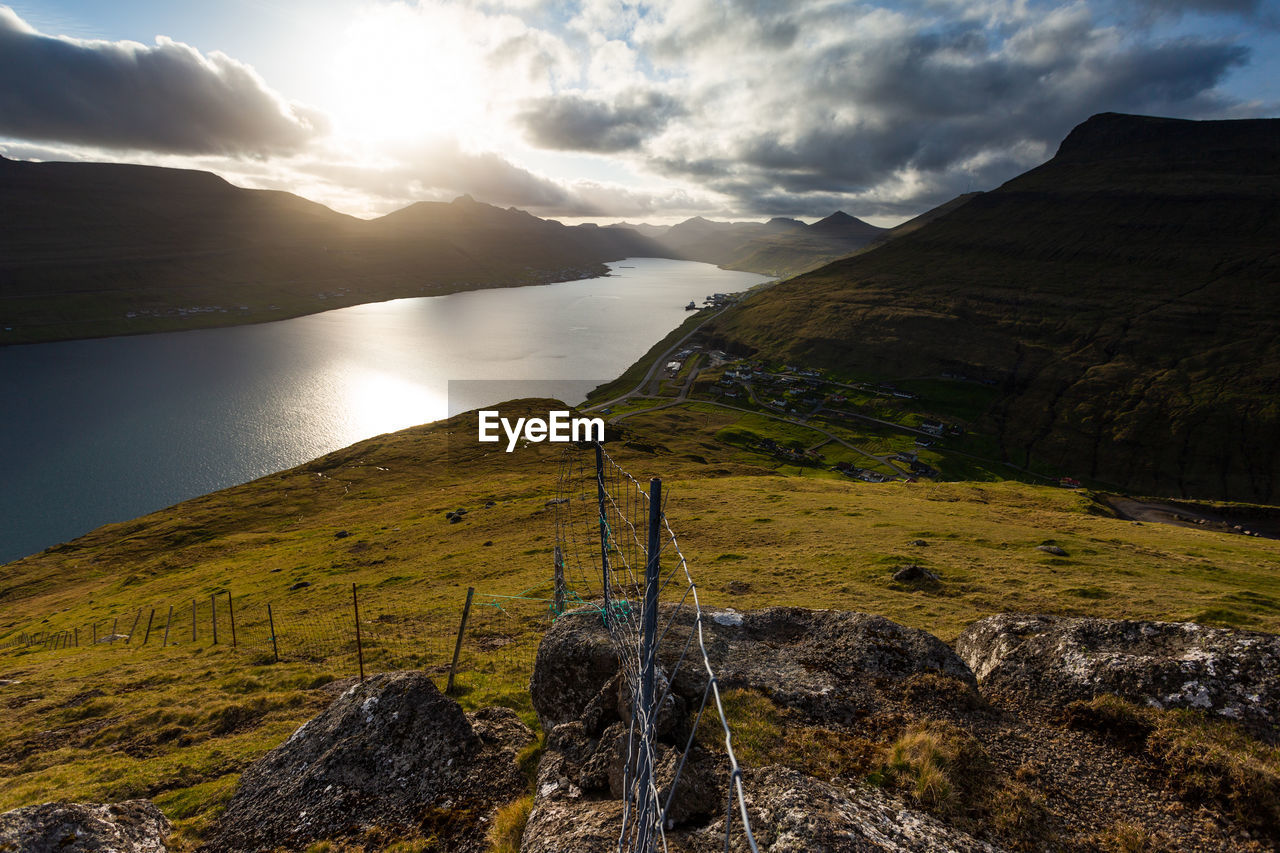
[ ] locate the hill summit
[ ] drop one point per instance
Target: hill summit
(1124, 297)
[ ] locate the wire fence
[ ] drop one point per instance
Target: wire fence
(356, 632)
(615, 553)
(613, 537)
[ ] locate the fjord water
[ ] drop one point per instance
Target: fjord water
(108, 429)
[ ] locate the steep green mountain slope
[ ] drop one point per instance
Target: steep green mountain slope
(1124, 297)
(90, 249)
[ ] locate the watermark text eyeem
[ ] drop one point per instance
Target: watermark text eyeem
(557, 427)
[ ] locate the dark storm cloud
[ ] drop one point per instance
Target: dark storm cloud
(576, 123)
(124, 95)
(911, 117)
(1238, 7)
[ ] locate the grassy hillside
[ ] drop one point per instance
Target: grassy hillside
(91, 249)
(178, 723)
(1123, 298)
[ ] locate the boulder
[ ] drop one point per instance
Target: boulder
(570, 826)
(391, 752)
(915, 574)
(795, 813)
(824, 666)
(134, 826)
(824, 663)
(575, 660)
(1049, 660)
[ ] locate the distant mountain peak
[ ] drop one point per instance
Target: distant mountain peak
(841, 223)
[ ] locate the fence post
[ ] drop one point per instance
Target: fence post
(648, 657)
(604, 530)
(355, 606)
(231, 611)
(213, 610)
(133, 627)
(115, 624)
(275, 650)
(559, 594)
(167, 622)
(147, 635)
(457, 649)
(77, 638)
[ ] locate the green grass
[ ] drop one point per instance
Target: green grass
(178, 724)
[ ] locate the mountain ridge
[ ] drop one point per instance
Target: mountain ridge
(1124, 306)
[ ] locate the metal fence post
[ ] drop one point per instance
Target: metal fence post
(559, 593)
(147, 635)
(115, 623)
(646, 803)
(133, 627)
(166, 628)
(604, 530)
(457, 649)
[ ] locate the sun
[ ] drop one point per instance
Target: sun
(406, 74)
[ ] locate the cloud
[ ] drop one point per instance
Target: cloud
(798, 107)
(577, 123)
(125, 95)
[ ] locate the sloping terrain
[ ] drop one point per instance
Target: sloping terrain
(177, 720)
(91, 249)
(1123, 297)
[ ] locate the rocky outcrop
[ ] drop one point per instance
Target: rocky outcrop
(1049, 660)
(134, 826)
(795, 813)
(392, 752)
(824, 667)
(826, 663)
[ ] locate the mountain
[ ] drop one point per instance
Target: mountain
(91, 249)
(1124, 298)
(779, 247)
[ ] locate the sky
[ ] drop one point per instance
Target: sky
(606, 110)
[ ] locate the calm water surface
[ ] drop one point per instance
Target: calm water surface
(108, 429)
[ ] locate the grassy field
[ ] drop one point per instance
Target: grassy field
(179, 723)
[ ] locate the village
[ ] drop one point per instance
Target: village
(871, 431)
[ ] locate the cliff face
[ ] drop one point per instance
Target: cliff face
(1124, 296)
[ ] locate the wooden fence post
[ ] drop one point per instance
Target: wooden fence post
(231, 612)
(167, 622)
(147, 635)
(355, 604)
(115, 623)
(275, 650)
(462, 629)
(134, 626)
